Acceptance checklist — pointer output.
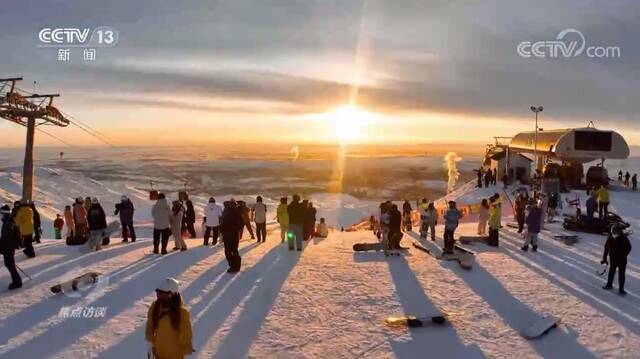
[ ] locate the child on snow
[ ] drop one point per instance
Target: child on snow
(58, 223)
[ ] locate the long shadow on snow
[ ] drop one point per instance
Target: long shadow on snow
(518, 315)
(42, 310)
(136, 339)
(440, 341)
(608, 303)
(51, 341)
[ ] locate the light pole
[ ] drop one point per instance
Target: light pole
(535, 138)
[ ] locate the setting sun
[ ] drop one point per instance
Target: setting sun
(350, 122)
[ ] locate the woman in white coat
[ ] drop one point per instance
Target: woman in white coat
(176, 217)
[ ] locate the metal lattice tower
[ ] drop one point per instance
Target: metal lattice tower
(29, 110)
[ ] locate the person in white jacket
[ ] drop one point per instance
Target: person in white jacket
(212, 214)
(177, 214)
(161, 223)
(483, 217)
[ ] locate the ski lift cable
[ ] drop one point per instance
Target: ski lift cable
(105, 137)
(55, 137)
(92, 134)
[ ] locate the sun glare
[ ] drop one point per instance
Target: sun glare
(350, 123)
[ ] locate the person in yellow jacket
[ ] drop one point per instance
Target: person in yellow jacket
(283, 218)
(603, 201)
(24, 221)
(168, 332)
(495, 220)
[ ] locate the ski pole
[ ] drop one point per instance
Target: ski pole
(23, 272)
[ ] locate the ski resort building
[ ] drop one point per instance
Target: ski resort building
(519, 165)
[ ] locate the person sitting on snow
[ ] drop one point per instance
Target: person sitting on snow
(617, 248)
(322, 231)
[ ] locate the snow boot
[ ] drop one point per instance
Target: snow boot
(622, 292)
(607, 287)
(126, 240)
(534, 248)
(14, 285)
(164, 251)
(525, 248)
(156, 251)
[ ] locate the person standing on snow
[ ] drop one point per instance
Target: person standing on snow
(161, 224)
(395, 227)
(603, 201)
(521, 204)
(245, 212)
(533, 228)
(176, 217)
(592, 205)
(406, 216)
(69, 223)
(310, 221)
(488, 178)
(385, 226)
(259, 215)
(87, 204)
(552, 206)
(58, 224)
(24, 221)
(626, 178)
(495, 221)
(494, 177)
(483, 217)
(125, 209)
(296, 222)
(212, 214)
(620, 176)
(231, 226)
(634, 182)
(168, 330)
(321, 230)
(479, 174)
(37, 224)
(451, 220)
(617, 248)
(543, 202)
(430, 221)
(190, 219)
(97, 221)
(9, 241)
(80, 219)
(282, 216)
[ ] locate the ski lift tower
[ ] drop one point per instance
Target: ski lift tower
(30, 111)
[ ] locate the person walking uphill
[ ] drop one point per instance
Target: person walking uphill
(259, 215)
(212, 214)
(168, 330)
(161, 223)
(24, 221)
(296, 222)
(282, 216)
(533, 227)
(9, 241)
(231, 225)
(451, 220)
(176, 217)
(125, 209)
(617, 248)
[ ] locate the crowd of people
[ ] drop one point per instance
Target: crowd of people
(628, 180)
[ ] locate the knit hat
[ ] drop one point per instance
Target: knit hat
(169, 285)
(5, 209)
(123, 198)
(212, 200)
(94, 200)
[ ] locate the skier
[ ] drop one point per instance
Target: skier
(24, 221)
(521, 204)
(161, 224)
(603, 201)
(168, 330)
(97, 221)
(69, 223)
(533, 227)
(451, 220)
(259, 215)
(311, 220)
(37, 224)
(125, 209)
(592, 205)
(58, 224)
(406, 216)
(246, 217)
(282, 216)
(190, 219)
(626, 178)
(9, 241)
(231, 226)
(321, 230)
(296, 221)
(176, 217)
(634, 182)
(212, 214)
(617, 248)
(495, 220)
(552, 206)
(483, 217)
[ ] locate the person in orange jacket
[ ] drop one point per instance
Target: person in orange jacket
(58, 224)
(168, 331)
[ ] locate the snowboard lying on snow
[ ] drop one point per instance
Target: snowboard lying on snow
(540, 327)
(364, 247)
(568, 239)
(82, 281)
(95, 242)
(414, 322)
(463, 256)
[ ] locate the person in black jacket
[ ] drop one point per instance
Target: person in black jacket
(190, 219)
(395, 227)
(617, 248)
(125, 209)
(97, 220)
(231, 223)
(37, 224)
(9, 241)
(297, 217)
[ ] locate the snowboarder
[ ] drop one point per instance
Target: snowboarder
(406, 216)
(259, 215)
(168, 330)
(310, 222)
(176, 217)
(296, 221)
(521, 205)
(627, 176)
(58, 224)
(190, 219)
(634, 182)
(246, 217)
(97, 221)
(617, 248)
(231, 226)
(592, 205)
(321, 230)
(552, 206)
(282, 216)
(37, 224)
(212, 214)
(80, 220)
(451, 220)
(69, 223)
(125, 209)
(603, 201)
(495, 220)
(533, 228)
(24, 221)
(161, 224)
(9, 241)
(483, 217)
